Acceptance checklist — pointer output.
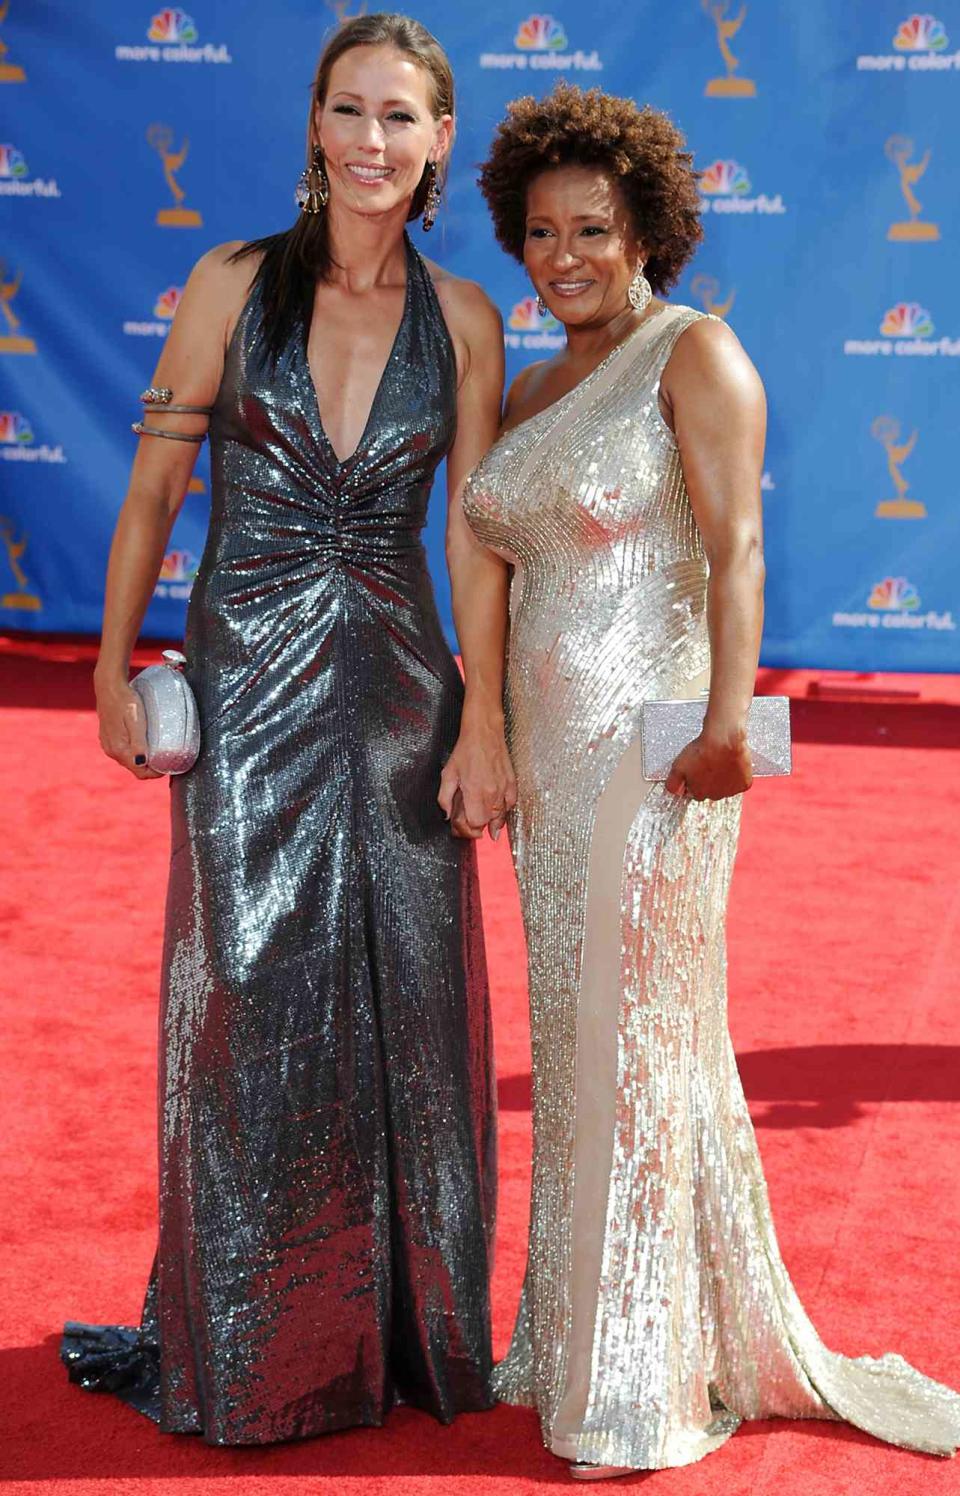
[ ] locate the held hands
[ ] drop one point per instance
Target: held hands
(477, 786)
(123, 733)
(712, 767)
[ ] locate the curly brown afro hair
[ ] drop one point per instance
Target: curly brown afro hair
(640, 148)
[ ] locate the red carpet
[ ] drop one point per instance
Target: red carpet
(844, 992)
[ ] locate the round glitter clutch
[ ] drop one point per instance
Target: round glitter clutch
(170, 707)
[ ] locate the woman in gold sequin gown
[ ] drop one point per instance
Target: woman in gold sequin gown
(656, 1310)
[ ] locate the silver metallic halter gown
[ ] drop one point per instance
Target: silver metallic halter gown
(656, 1310)
(327, 1168)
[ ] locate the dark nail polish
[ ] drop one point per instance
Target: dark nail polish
(140, 760)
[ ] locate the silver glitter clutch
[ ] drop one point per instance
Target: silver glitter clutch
(668, 726)
(170, 707)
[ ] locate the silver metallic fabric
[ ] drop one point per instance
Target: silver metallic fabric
(172, 719)
(656, 1310)
(327, 1164)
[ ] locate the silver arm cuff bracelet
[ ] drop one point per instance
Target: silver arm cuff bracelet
(170, 436)
(154, 398)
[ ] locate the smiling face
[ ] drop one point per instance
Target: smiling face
(580, 249)
(376, 129)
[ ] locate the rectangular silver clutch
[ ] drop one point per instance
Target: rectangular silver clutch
(170, 710)
(668, 726)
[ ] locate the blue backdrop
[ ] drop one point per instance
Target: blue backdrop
(134, 139)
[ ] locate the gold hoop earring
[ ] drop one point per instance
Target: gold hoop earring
(313, 190)
(639, 293)
(432, 204)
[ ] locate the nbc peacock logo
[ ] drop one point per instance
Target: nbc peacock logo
(540, 42)
(906, 330)
(527, 329)
(526, 318)
(15, 429)
(172, 36)
(540, 33)
(12, 163)
(723, 178)
(894, 603)
(919, 45)
(167, 303)
(725, 188)
(908, 319)
(920, 33)
(18, 443)
(164, 311)
(172, 25)
(179, 566)
(894, 595)
(15, 179)
(177, 572)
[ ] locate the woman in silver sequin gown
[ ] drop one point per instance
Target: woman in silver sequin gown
(656, 1311)
(327, 1151)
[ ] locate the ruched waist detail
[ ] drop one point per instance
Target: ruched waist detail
(314, 550)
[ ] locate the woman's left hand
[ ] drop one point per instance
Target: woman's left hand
(711, 768)
(478, 787)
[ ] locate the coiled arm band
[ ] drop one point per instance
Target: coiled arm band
(158, 402)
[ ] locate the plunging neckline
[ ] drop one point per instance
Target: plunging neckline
(342, 462)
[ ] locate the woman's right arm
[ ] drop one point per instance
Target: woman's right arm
(191, 365)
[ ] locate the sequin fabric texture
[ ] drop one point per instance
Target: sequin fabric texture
(656, 1310)
(327, 1107)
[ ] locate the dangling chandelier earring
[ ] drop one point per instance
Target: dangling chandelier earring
(542, 307)
(432, 203)
(313, 189)
(639, 293)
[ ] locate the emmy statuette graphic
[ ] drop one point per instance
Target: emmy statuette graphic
(886, 430)
(899, 150)
(160, 137)
(706, 288)
(23, 599)
(342, 11)
(728, 87)
(12, 341)
(10, 72)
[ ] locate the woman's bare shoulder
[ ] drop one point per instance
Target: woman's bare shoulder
(709, 353)
(221, 274)
(705, 341)
(466, 305)
(213, 298)
(217, 289)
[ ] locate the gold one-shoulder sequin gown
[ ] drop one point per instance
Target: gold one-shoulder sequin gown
(656, 1311)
